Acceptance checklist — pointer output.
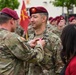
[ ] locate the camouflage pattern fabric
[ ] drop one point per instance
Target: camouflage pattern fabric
(14, 51)
(30, 29)
(54, 29)
(19, 30)
(51, 63)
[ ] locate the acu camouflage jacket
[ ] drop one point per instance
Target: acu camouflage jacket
(14, 50)
(51, 63)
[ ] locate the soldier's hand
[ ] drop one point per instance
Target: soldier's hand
(41, 42)
(33, 42)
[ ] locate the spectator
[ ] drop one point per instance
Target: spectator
(68, 53)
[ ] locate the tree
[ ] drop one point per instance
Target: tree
(13, 4)
(69, 4)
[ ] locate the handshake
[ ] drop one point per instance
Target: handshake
(36, 41)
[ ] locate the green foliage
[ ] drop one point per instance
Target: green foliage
(58, 3)
(69, 4)
(65, 3)
(13, 4)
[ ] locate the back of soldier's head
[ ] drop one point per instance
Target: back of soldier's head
(4, 18)
(6, 14)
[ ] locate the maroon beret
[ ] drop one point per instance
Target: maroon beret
(10, 12)
(72, 18)
(38, 9)
(50, 18)
(59, 19)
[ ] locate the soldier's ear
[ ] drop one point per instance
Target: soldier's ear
(12, 21)
(43, 18)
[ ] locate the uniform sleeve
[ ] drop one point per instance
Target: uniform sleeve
(56, 48)
(21, 50)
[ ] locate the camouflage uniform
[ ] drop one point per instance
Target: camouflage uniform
(14, 51)
(30, 29)
(54, 29)
(19, 30)
(51, 63)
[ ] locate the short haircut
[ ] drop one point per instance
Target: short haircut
(4, 18)
(46, 14)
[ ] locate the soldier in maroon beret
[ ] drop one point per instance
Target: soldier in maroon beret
(13, 14)
(61, 22)
(50, 18)
(45, 65)
(56, 18)
(72, 20)
(53, 22)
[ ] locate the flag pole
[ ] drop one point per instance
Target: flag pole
(24, 21)
(26, 36)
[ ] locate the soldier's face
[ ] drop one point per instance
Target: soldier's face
(74, 21)
(36, 20)
(61, 24)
